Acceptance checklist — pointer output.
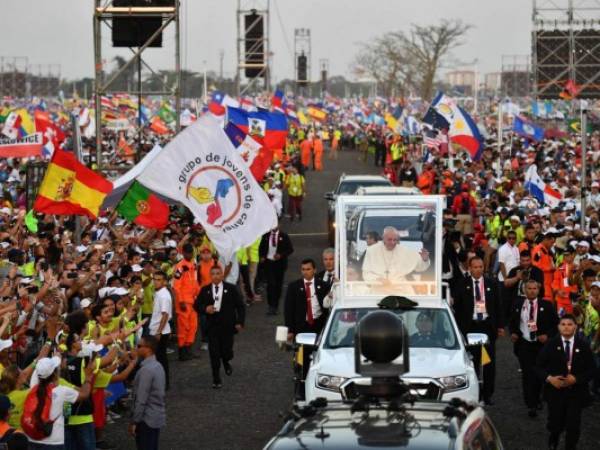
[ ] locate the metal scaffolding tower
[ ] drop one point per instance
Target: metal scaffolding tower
(104, 12)
(515, 78)
(13, 76)
(253, 44)
(302, 55)
(566, 46)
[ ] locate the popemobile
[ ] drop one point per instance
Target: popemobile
(389, 251)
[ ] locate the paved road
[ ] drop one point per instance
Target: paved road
(245, 413)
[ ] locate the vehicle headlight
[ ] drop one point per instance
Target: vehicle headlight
(329, 382)
(454, 383)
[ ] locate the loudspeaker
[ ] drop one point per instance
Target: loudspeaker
(254, 48)
(302, 75)
(134, 32)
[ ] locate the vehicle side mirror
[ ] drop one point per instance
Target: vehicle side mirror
(477, 339)
(309, 339)
(328, 196)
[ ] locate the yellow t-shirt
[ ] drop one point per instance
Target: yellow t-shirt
(148, 303)
(17, 399)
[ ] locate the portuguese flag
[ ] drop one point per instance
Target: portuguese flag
(142, 207)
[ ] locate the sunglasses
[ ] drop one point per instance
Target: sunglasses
(141, 345)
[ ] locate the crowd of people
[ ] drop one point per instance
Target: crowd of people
(91, 309)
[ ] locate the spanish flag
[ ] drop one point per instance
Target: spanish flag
(69, 187)
(316, 113)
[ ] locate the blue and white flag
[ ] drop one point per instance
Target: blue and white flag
(528, 129)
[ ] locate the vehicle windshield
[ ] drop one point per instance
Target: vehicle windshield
(407, 226)
(350, 187)
(426, 327)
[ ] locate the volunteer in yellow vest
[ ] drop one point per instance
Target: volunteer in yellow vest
(295, 188)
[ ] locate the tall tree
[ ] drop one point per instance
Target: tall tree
(428, 46)
(400, 62)
(384, 60)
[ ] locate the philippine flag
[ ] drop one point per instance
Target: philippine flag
(540, 190)
(271, 127)
(461, 127)
(257, 156)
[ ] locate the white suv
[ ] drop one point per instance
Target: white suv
(440, 367)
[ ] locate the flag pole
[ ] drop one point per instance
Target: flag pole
(499, 127)
(583, 163)
(77, 152)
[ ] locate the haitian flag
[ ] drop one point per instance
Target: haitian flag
(271, 127)
(257, 156)
(462, 130)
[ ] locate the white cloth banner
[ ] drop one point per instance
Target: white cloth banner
(201, 169)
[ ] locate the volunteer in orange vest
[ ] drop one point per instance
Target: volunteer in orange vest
(186, 289)
(426, 179)
(305, 152)
(563, 284)
(318, 151)
(543, 259)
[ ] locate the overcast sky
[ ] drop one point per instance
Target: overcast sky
(60, 31)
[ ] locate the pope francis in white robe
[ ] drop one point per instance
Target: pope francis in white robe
(388, 262)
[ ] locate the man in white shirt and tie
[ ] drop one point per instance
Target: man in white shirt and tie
(274, 249)
(532, 322)
(566, 364)
(225, 314)
(327, 275)
(304, 311)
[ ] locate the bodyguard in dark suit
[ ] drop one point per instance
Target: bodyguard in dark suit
(566, 365)
(225, 313)
(303, 309)
(275, 247)
(477, 310)
(532, 322)
(327, 275)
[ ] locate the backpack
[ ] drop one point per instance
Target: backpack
(28, 423)
(465, 207)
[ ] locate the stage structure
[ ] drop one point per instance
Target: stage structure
(137, 25)
(13, 76)
(302, 59)
(566, 46)
(515, 78)
(253, 45)
(43, 80)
